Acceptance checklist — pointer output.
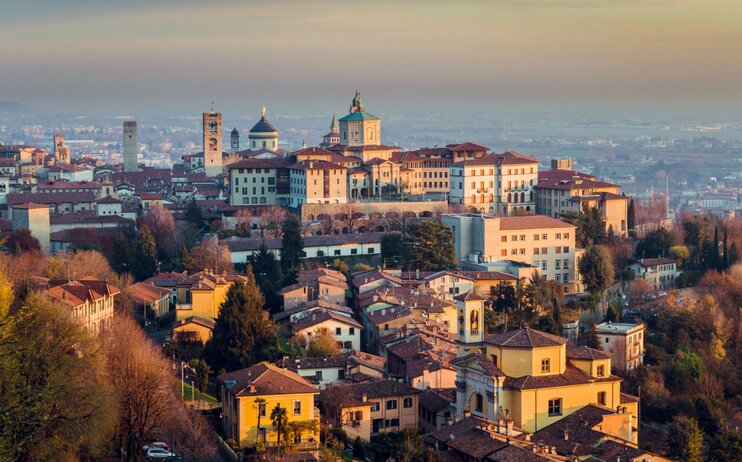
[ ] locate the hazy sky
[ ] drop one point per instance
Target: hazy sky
(164, 56)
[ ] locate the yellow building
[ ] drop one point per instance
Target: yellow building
(201, 294)
(250, 395)
(533, 377)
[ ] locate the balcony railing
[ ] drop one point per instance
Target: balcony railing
(307, 446)
(184, 306)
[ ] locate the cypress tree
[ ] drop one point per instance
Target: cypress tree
(292, 244)
(631, 215)
(267, 272)
(725, 253)
(715, 253)
(146, 255)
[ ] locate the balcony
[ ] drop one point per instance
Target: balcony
(316, 413)
(184, 306)
(307, 446)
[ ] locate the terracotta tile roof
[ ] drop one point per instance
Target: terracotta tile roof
(475, 443)
(513, 157)
(472, 275)
(367, 277)
(316, 283)
(265, 379)
(310, 275)
(491, 160)
(75, 293)
(648, 262)
(311, 306)
(320, 316)
(468, 146)
(208, 323)
(143, 293)
(334, 362)
(517, 454)
(468, 297)
(385, 315)
(168, 279)
(464, 425)
(571, 376)
(525, 338)
(432, 401)
(532, 222)
(483, 361)
(316, 165)
(584, 352)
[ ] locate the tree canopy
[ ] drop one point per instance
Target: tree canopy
(292, 244)
(596, 269)
(243, 334)
(428, 246)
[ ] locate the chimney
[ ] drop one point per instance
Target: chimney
(364, 398)
(509, 427)
(467, 413)
(251, 387)
(417, 273)
(566, 435)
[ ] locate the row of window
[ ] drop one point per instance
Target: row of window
(536, 237)
(339, 331)
(391, 404)
(271, 180)
(337, 252)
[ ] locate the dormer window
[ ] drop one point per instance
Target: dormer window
(601, 371)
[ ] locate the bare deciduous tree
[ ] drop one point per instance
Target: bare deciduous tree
(143, 385)
(271, 218)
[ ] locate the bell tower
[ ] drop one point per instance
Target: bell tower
(470, 320)
(234, 138)
(212, 131)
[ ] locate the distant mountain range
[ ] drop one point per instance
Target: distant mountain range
(12, 106)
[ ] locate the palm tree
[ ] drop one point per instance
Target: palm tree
(258, 403)
(279, 417)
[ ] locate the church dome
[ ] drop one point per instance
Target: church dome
(235, 132)
(263, 126)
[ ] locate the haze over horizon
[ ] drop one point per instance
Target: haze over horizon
(174, 57)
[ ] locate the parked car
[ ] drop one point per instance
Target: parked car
(158, 454)
(157, 444)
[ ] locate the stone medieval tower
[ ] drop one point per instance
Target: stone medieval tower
(130, 146)
(212, 130)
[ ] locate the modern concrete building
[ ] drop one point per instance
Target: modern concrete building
(130, 146)
(35, 218)
(624, 342)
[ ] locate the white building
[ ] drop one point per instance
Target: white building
(661, 273)
(345, 329)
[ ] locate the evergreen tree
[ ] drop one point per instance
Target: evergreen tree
(548, 324)
(655, 244)
(292, 244)
(611, 315)
(194, 215)
(428, 246)
(121, 260)
(145, 264)
(631, 215)
(392, 247)
(596, 269)
(716, 258)
(268, 275)
(725, 253)
(685, 440)
(243, 334)
(593, 341)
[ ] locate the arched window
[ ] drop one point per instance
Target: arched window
(510, 199)
(522, 197)
(474, 322)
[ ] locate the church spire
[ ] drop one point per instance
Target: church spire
(334, 127)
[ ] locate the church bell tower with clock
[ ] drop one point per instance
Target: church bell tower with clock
(212, 131)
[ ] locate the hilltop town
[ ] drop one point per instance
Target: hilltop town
(358, 300)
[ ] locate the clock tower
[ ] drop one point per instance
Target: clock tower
(212, 131)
